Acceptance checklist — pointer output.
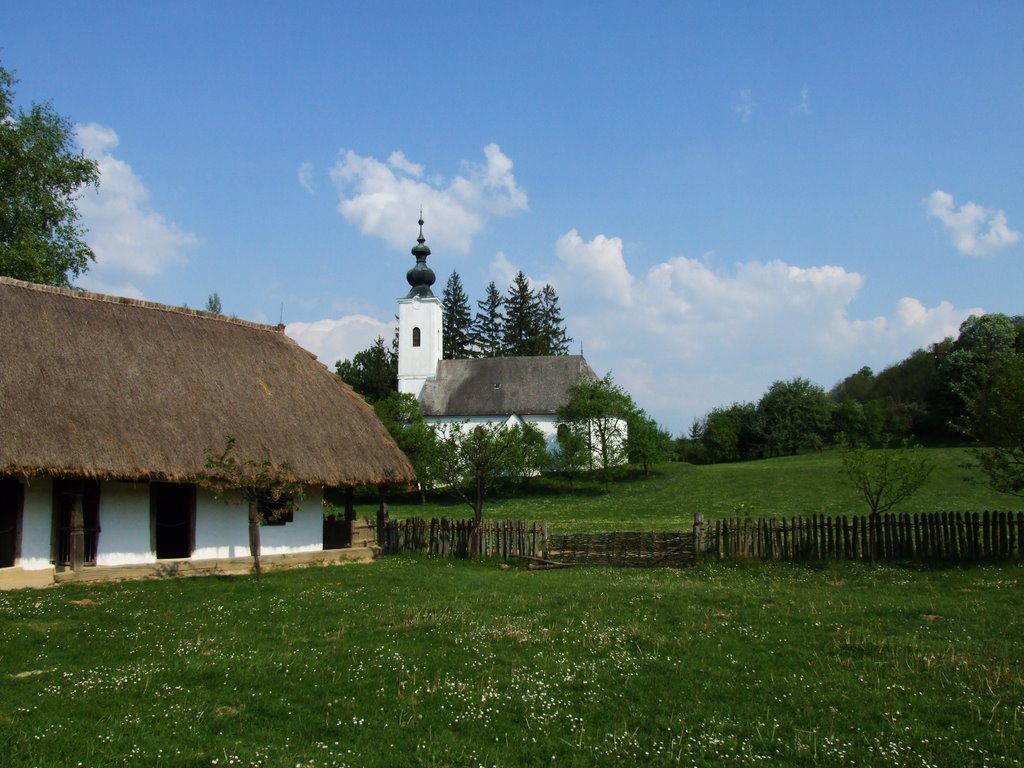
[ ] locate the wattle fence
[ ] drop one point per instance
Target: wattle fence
(944, 537)
(624, 549)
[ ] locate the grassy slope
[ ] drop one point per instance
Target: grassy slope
(795, 485)
(410, 662)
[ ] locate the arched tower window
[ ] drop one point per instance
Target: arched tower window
(415, 337)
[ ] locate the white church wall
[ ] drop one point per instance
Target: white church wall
(416, 364)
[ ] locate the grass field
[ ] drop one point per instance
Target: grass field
(416, 662)
(424, 663)
(793, 485)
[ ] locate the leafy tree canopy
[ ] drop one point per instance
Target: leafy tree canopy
(795, 415)
(647, 443)
(400, 414)
(41, 176)
(886, 476)
(599, 410)
(373, 373)
(268, 488)
(995, 418)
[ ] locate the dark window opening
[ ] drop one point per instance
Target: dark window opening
(276, 511)
(173, 517)
(415, 337)
(12, 499)
(64, 493)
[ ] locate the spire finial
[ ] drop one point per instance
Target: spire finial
(420, 277)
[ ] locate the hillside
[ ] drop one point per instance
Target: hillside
(793, 485)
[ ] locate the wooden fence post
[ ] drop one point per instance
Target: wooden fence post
(698, 535)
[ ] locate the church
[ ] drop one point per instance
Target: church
(508, 390)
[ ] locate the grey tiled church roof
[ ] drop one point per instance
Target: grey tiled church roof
(502, 386)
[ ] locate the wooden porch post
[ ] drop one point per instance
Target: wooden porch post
(350, 516)
(254, 534)
(76, 532)
(382, 514)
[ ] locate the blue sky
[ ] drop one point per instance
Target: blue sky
(723, 194)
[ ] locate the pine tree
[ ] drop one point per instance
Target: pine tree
(522, 315)
(553, 339)
(457, 320)
(488, 324)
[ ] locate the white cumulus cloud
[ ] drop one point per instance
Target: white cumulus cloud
(383, 199)
(337, 339)
(598, 264)
(975, 230)
(688, 335)
(126, 234)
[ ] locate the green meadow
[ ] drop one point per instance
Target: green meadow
(808, 484)
(408, 662)
(418, 662)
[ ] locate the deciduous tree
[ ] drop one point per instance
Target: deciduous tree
(795, 415)
(527, 453)
(599, 409)
(471, 459)
(995, 418)
(41, 175)
(401, 415)
(885, 476)
(572, 453)
(270, 490)
(647, 443)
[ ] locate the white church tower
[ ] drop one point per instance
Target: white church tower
(419, 324)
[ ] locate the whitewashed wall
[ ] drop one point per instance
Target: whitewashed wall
(36, 520)
(125, 534)
(222, 528)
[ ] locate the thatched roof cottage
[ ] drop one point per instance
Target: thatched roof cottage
(118, 401)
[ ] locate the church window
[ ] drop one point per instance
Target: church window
(415, 337)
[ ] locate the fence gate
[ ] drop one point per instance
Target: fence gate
(624, 549)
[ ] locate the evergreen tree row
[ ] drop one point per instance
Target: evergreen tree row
(523, 322)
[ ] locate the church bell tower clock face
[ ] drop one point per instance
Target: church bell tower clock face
(419, 324)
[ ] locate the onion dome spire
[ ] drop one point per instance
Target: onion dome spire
(420, 277)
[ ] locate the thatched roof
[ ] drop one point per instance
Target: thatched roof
(114, 388)
(502, 386)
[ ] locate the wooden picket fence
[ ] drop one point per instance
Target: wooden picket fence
(938, 536)
(454, 538)
(932, 537)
